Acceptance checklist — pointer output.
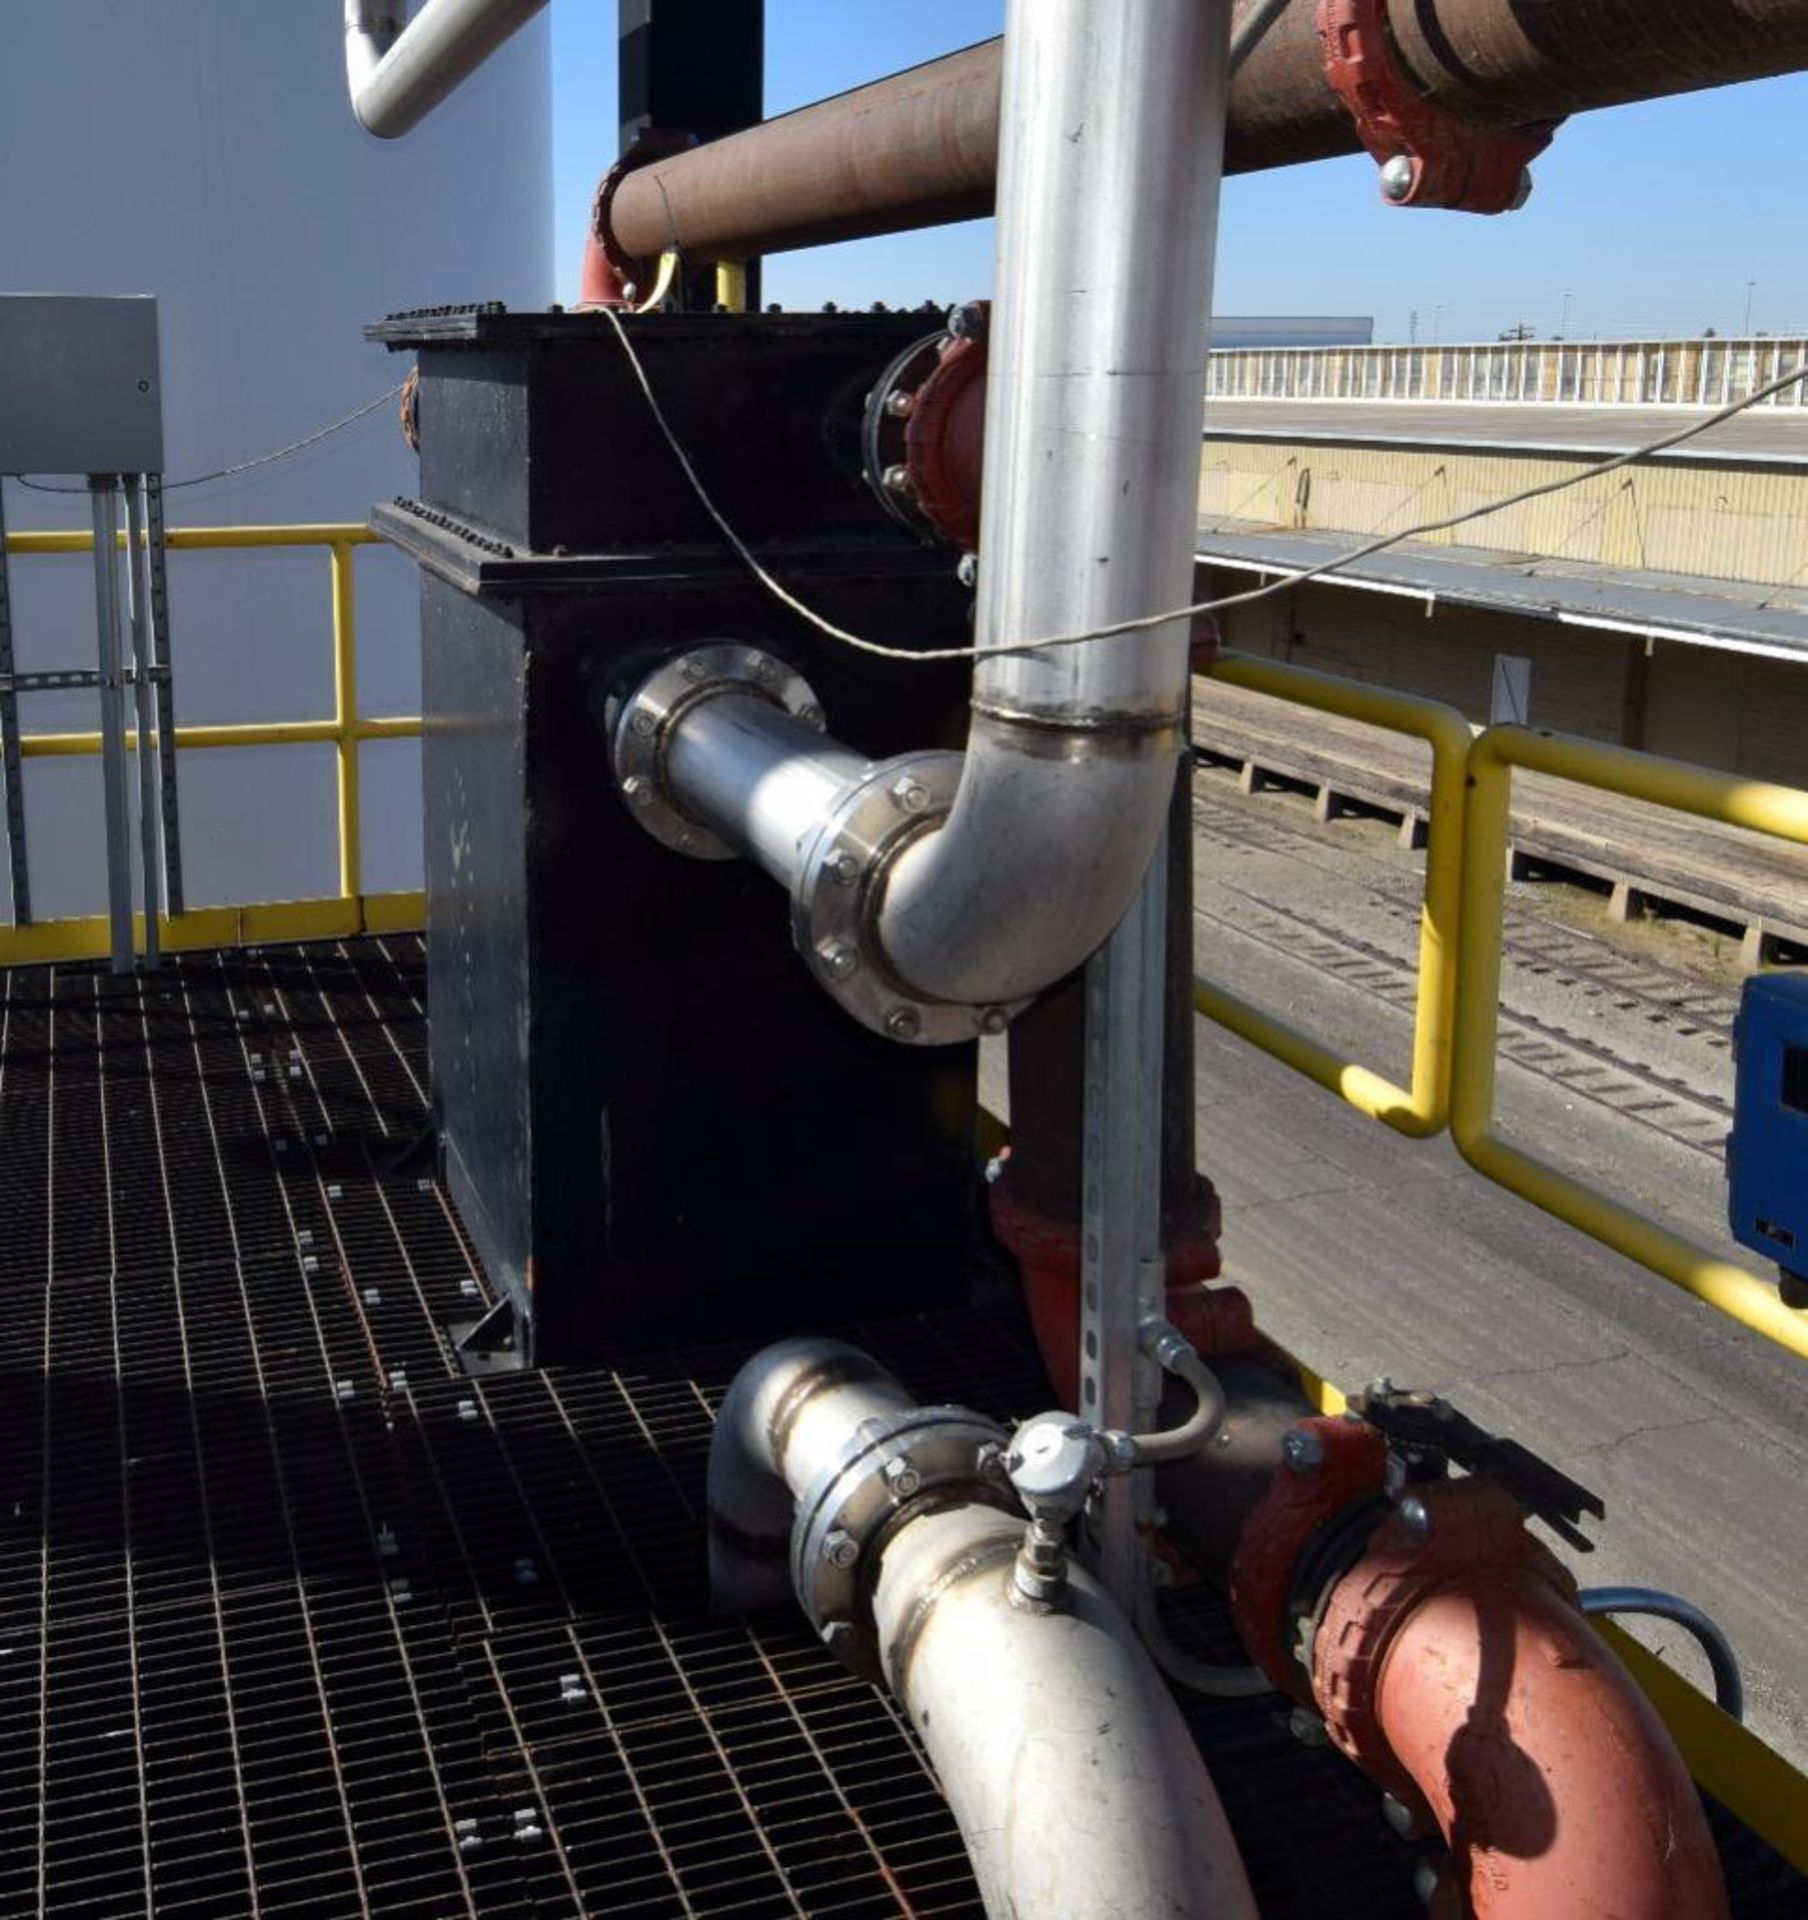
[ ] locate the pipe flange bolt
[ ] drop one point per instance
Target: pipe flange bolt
(641, 728)
(836, 903)
(850, 1510)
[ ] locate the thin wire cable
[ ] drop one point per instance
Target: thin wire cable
(261, 460)
(1145, 623)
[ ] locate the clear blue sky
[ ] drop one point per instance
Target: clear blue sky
(1652, 218)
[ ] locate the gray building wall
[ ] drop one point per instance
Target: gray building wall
(206, 154)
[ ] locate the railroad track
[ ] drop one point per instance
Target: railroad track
(1680, 1108)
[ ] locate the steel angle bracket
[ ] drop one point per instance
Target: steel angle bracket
(1428, 156)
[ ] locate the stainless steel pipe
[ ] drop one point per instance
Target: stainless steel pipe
(1078, 1790)
(398, 70)
(1111, 142)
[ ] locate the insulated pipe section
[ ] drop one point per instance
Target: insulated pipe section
(397, 71)
(1110, 149)
(1078, 1790)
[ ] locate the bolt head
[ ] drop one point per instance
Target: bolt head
(637, 790)
(896, 480)
(838, 1636)
(763, 669)
(839, 961)
(1397, 178)
(967, 572)
(898, 403)
(811, 715)
(904, 1023)
(1523, 191)
(842, 868)
(1415, 1517)
(909, 795)
(694, 669)
(840, 1549)
(967, 320)
(1307, 1728)
(1303, 1451)
(642, 724)
(993, 1020)
(902, 1478)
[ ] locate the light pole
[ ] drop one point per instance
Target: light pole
(1437, 318)
(1563, 324)
(1751, 289)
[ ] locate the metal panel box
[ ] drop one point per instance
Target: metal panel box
(1767, 1152)
(80, 389)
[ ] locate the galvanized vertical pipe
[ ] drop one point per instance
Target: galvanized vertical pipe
(104, 495)
(138, 601)
(1111, 139)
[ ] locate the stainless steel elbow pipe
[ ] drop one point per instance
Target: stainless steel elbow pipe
(937, 895)
(397, 70)
(1077, 1788)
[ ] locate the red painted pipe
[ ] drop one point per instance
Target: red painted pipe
(1475, 1685)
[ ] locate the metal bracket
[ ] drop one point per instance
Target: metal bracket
(1428, 156)
(490, 1344)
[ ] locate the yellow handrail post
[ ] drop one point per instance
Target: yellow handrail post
(1422, 1110)
(1737, 802)
(345, 720)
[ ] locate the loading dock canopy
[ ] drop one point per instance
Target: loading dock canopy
(1687, 609)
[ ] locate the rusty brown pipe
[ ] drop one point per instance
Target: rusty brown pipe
(1453, 1664)
(920, 148)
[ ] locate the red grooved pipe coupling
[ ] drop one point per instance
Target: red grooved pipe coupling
(1343, 1461)
(1453, 1665)
(944, 440)
(1216, 1320)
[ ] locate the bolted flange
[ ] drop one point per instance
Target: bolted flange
(641, 726)
(839, 891)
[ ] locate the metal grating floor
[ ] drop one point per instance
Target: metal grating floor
(295, 1620)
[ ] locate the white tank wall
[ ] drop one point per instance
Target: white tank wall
(203, 151)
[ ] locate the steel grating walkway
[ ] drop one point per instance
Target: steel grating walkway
(295, 1620)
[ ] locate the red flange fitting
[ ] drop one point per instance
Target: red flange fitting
(1216, 1320)
(1331, 1465)
(924, 441)
(1428, 156)
(609, 271)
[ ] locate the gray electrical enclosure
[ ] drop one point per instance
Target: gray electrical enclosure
(80, 390)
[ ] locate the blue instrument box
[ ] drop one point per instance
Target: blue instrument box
(1767, 1151)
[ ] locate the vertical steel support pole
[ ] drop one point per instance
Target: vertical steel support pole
(12, 791)
(138, 603)
(164, 691)
(1111, 139)
(345, 722)
(103, 491)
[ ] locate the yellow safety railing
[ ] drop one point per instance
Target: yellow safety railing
(352, 911)
(1423, 1109)
(1735, 802)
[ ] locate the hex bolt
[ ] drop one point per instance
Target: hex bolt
(902, 1478)
(842, 868)
(643, 724)
(1303, 1451)
(896, 480)
(898, 403)
(967, 320)
(905, 1023)
(763, 668)
(637, 790)
(1397, 178)
(812, 715)
(1410, 1823)
(988, 1461)
(1307, 1728)
(967, 572)
(837, 1635)
(1430, 1878)
(993, 1020)
(1523, 191)
(693, 668)
(909, 795)
(840, 1549)
(1415, 1518)
(839, 961)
